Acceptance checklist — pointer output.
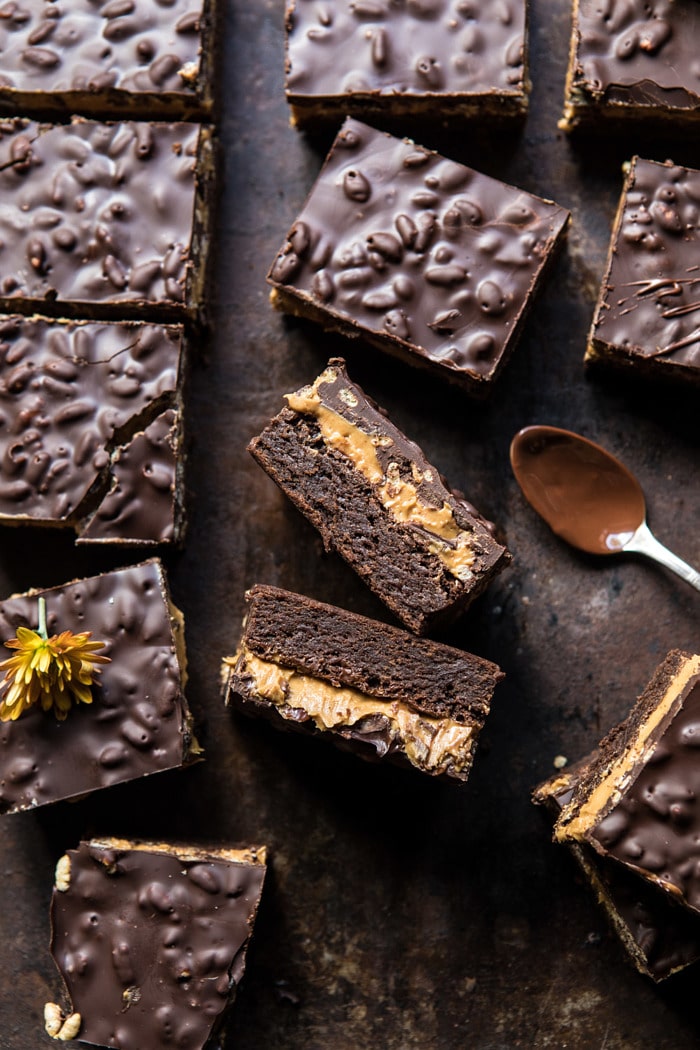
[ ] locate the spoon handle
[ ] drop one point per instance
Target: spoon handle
(644, 542)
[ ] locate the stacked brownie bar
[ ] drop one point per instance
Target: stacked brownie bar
(629, 813)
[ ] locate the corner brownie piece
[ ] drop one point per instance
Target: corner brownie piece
(633, 63)
(422, 256)
(419, 59)
(638, 802)
(80, 406)
(659, 936)
(375, 499)
(138, 722)
(104, 220)
(151, 940)
(648, 313)
(372, 688)
(143, 59)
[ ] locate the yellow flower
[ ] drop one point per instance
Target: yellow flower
(53, 671)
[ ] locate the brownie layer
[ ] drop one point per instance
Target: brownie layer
(151, 939)
(104, 220)
(634, 62)
(660, 936)
(648, 312)
(138, 722)
(425, 257)
(373, 688)
(377, 501)
(147, 59)
(421, 58)
(638, 803)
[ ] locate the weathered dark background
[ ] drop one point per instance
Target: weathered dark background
(399, 912)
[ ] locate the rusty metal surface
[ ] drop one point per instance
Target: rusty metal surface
(399, 912)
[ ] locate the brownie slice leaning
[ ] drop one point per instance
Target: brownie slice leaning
(377, 501)
(372, 688)
(638, 802)
(659, 936)
(151, 940)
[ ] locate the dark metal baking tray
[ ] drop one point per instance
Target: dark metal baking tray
(400, 911)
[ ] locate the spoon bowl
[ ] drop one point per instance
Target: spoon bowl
(587, 496)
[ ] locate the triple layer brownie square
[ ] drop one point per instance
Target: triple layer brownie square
(376, 500)
(104, 220)
(634, 62)
(430, 59)
(138, 722)
(422, 256)
(371, 688)
(90, 428)
(151, 940)
(648, 315)
(148, 59)
(659, 936)
(638, 803)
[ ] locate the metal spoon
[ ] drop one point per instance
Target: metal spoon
(587, 497)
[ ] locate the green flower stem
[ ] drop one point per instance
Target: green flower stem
(42, 619)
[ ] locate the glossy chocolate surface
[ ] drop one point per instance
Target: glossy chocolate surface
(585, 495)
(137, 721)
(639, 54)
(74, 47)
(426, 254)
(97, 218)
(656, 826)
(141, 506)
(409, 47)
(69, 394)
(151, 945)
(650, 302)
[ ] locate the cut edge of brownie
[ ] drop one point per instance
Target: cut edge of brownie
(418, 583)
(371, 687)
(626, 749)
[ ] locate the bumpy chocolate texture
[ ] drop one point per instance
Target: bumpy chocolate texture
(138, 722)
(406, 58)
(73, 399)
(151, 939)
(120, 58)
(103, 220)
(660, 937)
(422, 256)
(376, 500)
(372, 688)
(634, 61)
(640, 803)
(648, 313)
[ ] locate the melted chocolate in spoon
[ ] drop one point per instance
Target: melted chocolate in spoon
(586, 496)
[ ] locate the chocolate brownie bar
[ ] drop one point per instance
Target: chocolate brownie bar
(74, 398)
(138, 722)
(638, 801)
(422, 256)
(660, 936)
(377, 501)
(104, 220)
(121, 59)
(648, 313)
(434, 59)
(375, 689)
(151, 940)
(634, 63)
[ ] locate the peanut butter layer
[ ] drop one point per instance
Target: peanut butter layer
(432, 745)
(399, 496)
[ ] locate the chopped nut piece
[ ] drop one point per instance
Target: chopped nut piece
(62, 881)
